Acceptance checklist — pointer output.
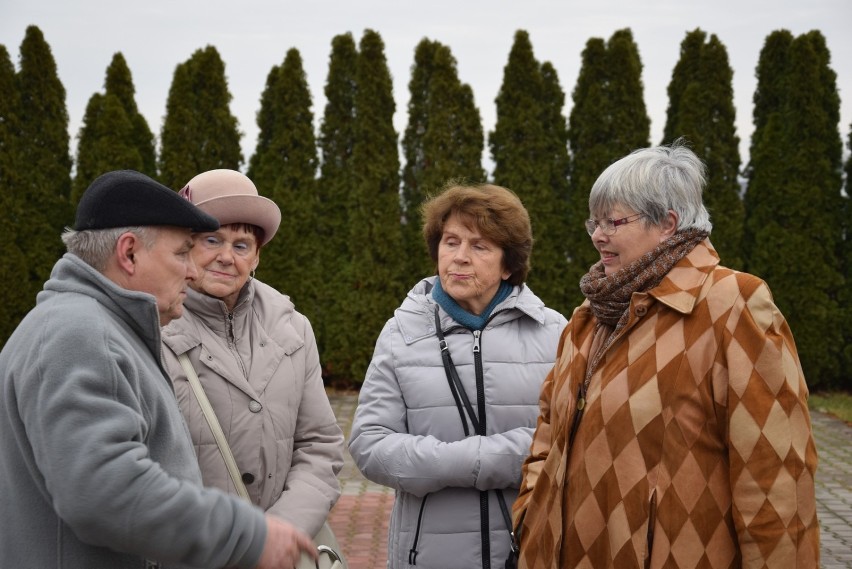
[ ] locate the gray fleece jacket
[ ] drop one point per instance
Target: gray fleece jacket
(96, 466)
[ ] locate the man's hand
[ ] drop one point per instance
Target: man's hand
(284, 545)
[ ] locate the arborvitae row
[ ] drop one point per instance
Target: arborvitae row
(350, 245)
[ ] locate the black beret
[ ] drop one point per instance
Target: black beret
(126, 198)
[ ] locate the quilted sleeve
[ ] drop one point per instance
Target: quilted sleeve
(384, 450)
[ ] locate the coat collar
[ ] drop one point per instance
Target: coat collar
(679, 288)
(137, 309)
(256, 300)
(415, 316)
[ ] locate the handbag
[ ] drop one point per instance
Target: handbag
(327, 547)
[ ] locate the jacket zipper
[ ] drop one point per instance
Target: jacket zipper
(230, 324)
(232, 343)
(480, 404)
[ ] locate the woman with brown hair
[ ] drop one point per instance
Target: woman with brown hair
(448, 405)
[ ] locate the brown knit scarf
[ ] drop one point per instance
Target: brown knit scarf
(610, 295)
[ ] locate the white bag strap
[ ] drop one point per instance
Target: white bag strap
(210, 415)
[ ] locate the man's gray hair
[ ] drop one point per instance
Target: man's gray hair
(652, 181)
(95, 246)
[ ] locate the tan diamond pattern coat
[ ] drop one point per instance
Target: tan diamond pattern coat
(695, 447)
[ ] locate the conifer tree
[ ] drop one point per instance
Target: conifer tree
(701, 110)
(608, 120)
(114, 135)
(13, 304)
(763, 175)
(284, 169)
(10, 138)
(556, 149)
(337, 140)
(105, 142)
(119, 82)
(529, 149)
(845, 297)
(443, 141)
(44, 154)
(626, 93)
(199, 132)
(794, 214)
(375, 236)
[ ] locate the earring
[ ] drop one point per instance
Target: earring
(251, 275)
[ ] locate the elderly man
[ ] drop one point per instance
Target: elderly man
(96, 465)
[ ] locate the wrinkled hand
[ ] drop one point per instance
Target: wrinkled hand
(284, 545)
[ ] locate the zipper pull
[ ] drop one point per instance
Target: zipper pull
(476, 334)
(231, 339)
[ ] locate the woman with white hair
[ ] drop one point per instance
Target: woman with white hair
(674, 427)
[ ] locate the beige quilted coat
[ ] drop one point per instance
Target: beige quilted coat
(261, 371)
(695, 425)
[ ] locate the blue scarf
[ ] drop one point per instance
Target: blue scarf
(462, 316)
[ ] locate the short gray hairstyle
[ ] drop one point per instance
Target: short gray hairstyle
(652, 181)
(95, 246)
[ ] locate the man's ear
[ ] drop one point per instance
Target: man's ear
(126, 248)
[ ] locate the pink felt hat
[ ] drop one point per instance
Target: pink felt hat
(231, 197)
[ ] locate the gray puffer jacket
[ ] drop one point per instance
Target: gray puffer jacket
(408, 433)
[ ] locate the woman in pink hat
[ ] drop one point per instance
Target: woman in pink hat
(257, 362)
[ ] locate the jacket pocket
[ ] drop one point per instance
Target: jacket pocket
(652, 520)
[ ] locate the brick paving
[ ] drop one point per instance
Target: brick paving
(360, 518)
(834, 490)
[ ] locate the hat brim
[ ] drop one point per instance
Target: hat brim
(254, 210)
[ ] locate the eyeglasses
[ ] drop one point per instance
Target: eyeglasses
(609, 226)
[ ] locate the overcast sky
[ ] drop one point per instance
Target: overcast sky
(253, 35)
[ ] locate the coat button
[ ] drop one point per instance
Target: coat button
(248, 478)
(255, 406)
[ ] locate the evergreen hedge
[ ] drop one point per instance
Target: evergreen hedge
(349, 246)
